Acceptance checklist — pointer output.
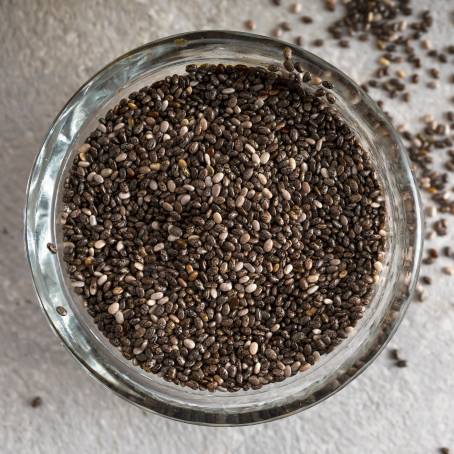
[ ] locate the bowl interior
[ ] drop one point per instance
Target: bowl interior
(79, 117)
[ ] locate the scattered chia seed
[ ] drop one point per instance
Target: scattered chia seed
(250, 24)
(285, 26)
(220, 253)
(440, 227)
(299, 41)
(295, 8)
(447, 251)
(426, 44)
(420, 294)
(52, 248)
(317, 42)
(434, 72)
(448, 270)
(36, 402)
(276, 32)
(330, 5)
(61, 310)
(344, 43)
(394, 354)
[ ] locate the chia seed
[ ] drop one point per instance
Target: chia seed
(36, 402)
(52, 248)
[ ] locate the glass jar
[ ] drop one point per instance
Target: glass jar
(77, 330)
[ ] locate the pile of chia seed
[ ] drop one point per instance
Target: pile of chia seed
(225, 227)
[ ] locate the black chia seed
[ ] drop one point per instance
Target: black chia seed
(36, 402)
(52, 248)
(401, 363)
(61, 311)
(394, 354)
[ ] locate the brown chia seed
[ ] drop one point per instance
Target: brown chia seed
(36, 402)
(296, 8)
(250, 24)
(52, 248)
(61, 311)
(299, 41)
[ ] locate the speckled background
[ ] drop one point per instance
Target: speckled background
(47, 49)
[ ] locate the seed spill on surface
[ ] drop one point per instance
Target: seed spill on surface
(401, 363)
(36, 402)
(250, 25)
(234, 236)
(61, 311)
(52, 248)
(398, 361)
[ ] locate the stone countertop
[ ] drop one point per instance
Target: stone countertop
(47, 49)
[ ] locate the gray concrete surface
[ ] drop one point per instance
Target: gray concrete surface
(47, 49)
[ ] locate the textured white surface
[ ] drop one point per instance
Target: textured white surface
(47, 49)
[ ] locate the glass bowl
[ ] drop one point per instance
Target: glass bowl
(76, 329)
